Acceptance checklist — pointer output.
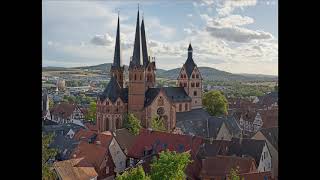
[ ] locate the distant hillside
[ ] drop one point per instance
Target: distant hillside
(210, 74)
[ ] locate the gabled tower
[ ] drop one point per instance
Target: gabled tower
(148, 62)
(136, 89)
(190, 78)
(116, 68)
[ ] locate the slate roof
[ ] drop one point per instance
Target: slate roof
(232, 126)
(61, 129)
(64, 145)
(193, 122)
(189, 64)
(144, 45)
(214, 125)
(268, 99)
(137, 56)
(117, 49)
(113, 91)
(69, 170)
(175, 94)
(271, 135)
(213, 148)
(248, 147)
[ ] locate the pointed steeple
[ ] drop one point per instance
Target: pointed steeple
(144, 45)
(137, 53)
(117, 49)
(189, 64)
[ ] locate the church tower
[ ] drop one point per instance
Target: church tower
(190, 78)
(148, 62)
(116, 68)
(136, 88)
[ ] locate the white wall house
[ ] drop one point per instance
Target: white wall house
(118, 156)
(265, 160)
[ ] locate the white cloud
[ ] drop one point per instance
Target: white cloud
(102, 40)
(233, 20)
(189, 15)
(228, 6)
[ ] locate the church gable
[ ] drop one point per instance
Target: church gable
(183, 73)
(196, 73)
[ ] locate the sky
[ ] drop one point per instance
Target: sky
(238, 36)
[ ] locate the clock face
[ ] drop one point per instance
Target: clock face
(160, 111)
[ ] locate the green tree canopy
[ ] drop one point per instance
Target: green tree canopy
(132, 123)
(215, 103)
(134, 174)
(234, 174)
(170, 166)
(47, 153)
(157, 124)
(91, 114)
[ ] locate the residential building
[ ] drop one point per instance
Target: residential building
(66, 113)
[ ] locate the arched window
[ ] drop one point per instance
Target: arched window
(186, 107)
(192, 84)
(118, 123)
(107, 124)
(180, 107)
(195, 93)
(197, 84)
(135, 77)
(140, 77)
(192, 76)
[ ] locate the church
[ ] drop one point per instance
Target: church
(140, 95)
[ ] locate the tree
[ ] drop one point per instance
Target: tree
(51, 103)
(170, 165)
(134, 174)
(234, 174)
(132, 123)
(47, 153)
(157, 124)
(215, 103)
(91, 114)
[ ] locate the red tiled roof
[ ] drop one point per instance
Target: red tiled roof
(104, 138)
(221, 165)
(256, 176)
(173, 142)
(269, 118)
(71, 170)
(63, 109)
(84, 133)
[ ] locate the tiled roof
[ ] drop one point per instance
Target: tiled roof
(193, 122)
(68, 170)
(63, 109)
(271, 135)
(221, 165)
(232, 126)
(247, 147)
(269, 118)
(84, 134)
(61, 129)
(124, 138)
(64, 145)
(257, 176)
(213, 148)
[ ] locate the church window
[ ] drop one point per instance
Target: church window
(192, 84)
(192, 76)
(160, 101)
(107, 103)
(160, 111)
(181, 76)
(140, 77)
(180, 107)
(197, 84)
(185, 76)
(135, 77)
(197, 76)
(186, 107)
(195, 93)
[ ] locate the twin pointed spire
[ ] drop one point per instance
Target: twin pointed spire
(117, 60)
(140, 52)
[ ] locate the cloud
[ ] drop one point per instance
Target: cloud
(102, 40)
(237, 34)
(233, 20)
(228, 6)
(189, 15)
